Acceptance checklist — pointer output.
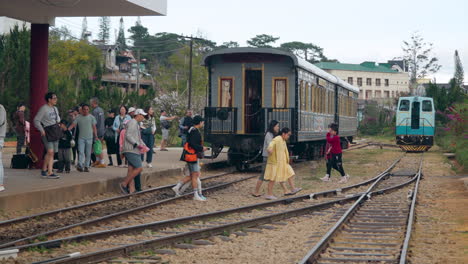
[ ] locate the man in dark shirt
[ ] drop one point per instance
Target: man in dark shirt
(20, 124)
(184, 125)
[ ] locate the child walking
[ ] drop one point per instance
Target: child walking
(334, 154)
(64, 150)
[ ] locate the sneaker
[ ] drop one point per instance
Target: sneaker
(124, 189)
(59, 171)
(110, 164)
(67, 171)
(2, 188)
(202, 197)
(121, 166)
(149, 165)
(96, 163)
(100, 165)
(344, 179)
(197, 197)
(86, 169)
(176, 189)
(53, 176)
(78, 168)
(326, 178)
(43, 174)
(270, 197)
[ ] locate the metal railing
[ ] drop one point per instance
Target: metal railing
(222, 120)
(285, 117)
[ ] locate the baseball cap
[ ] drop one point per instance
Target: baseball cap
(140, 111)
(197, 120)
(131, 109)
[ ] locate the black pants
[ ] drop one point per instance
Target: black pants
(336, 163)
(19, 143)
(64, 159)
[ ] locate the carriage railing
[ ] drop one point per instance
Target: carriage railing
(407, 124)
(221, 120)
(285, 117)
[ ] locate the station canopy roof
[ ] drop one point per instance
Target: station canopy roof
(45, 11)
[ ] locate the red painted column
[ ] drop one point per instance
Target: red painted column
(38, 81)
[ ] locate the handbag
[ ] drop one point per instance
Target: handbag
(109, 135)
(53, 132)
(20, 161)
(188, 154)
(31, 155)
(97, 147)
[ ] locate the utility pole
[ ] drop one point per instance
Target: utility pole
(138, 73)
(190, 76)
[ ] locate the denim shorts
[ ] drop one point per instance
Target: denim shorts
(133, 159)
(194, 167)
(50, 145)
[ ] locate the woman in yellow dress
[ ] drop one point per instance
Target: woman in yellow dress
(278, 168)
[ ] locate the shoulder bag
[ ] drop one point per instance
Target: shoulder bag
(53, 132)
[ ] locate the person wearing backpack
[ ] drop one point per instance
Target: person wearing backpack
(192, 150)
(3, 129)
(165, 126)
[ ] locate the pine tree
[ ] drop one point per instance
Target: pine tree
(121, 35)
(84, 30)
(459, 74)
(104, 29)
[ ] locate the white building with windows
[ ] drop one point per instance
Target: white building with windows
(375, 80)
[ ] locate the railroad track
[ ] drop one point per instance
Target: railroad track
(375, 229)
(26, 229)
(157, 234)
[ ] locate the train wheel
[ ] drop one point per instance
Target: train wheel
(242, 166)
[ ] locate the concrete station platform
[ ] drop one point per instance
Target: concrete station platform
(25, 189)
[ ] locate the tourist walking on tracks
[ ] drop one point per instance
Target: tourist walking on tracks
(273, 130)
(165, 126)
(20, 127)
(334, 154)
(3, 129)
(47, 122)
(278, 168)
(133, 148)
(148, 128)
(88, 132)
(192, 149)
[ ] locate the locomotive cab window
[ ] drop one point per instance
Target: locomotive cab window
(404, 105)
(427, 106)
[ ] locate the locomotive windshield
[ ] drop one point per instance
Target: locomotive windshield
(427, 106)
(404, 105)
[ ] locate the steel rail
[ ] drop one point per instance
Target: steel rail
(117, 214)
(125, 250)
(23, 243)
(112, 199)
(409, 226)
(314, 253)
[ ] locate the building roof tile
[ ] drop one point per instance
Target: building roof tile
(367, 66)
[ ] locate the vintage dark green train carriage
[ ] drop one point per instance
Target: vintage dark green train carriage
(249, 87)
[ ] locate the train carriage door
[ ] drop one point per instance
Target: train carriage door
(253, 101)
(415, 115)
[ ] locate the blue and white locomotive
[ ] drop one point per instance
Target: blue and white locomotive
(415, 123)
(249, 87)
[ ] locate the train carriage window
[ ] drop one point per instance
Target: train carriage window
(427, 106)
(302, 98)
(225, 92)
(308, 90)
(404, 105)
(280, 93)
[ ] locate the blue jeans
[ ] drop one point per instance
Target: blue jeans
(148, 139)
(184, 138)
(1, 166)
(84, 149)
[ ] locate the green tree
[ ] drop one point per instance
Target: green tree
(229, 44)
(104, 29)
(459, 75)
(418, 55)
(14, 67)
(307, 51)
(262, 41)
(121, 37)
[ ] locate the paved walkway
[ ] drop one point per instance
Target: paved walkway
(26, 189)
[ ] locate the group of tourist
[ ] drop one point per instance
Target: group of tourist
(129, 134)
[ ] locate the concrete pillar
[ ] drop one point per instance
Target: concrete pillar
(38, 81)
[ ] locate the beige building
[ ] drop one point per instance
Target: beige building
(375, 80)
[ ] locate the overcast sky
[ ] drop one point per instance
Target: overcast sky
(350, 31)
